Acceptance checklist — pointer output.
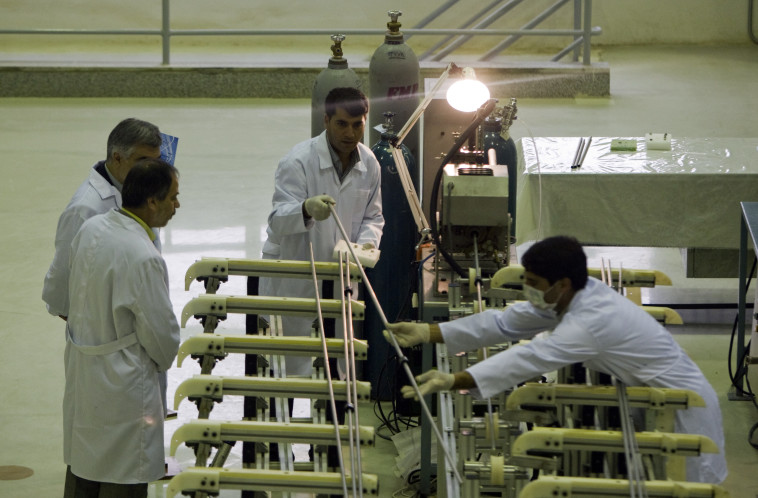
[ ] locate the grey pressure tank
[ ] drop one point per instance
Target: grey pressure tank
(336, 75)
(394, 276)
(393, 75)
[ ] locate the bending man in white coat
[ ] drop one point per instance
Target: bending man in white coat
(591, 324)
(121, 334)
(336, 169)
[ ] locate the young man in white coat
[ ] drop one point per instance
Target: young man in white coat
(591, 324)
(332, 169)
(335, 169)
(121, 334)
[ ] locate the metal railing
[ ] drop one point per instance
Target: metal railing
(581, 33)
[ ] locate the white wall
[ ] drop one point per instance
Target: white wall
(624, 22)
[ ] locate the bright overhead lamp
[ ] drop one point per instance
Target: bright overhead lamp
(467, 94)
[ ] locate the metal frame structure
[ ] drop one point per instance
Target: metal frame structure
(582, 31)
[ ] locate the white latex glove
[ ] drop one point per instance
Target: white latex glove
(429, 382)
(408, 334)
(317, 206)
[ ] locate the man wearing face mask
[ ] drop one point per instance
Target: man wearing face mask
(591, 324)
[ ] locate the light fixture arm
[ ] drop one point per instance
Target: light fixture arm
(451, 69)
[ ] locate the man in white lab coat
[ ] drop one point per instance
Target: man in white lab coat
(129, 141)
(591, 324)
(336, 169)
(121, 333)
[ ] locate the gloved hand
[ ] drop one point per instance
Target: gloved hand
(429, 382)
(317, 207)
(408, 334)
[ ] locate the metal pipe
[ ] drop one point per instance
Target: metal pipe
(354, 385)
(166, 32)
(332, 402)
(433, 15)
(512, 39)
(573, 46)
(296, 32)
(351, 403)
(403, 359)
(466, 24)
(486, 22)
(577, 26)
(587, 32)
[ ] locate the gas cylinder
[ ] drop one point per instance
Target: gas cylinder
(336, 75)
(393, 75)
(496, 135)
(393, 278)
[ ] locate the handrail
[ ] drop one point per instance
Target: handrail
(581, 33)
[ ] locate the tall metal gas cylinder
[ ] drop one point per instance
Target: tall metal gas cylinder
(496, 135)
(393, 75)
(336, 75)
(393, 278)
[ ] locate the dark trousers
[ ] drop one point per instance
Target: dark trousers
(76, 487)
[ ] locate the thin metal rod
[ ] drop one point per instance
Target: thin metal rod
(578, 152)
(347, 339)
(634, 465)
(399, 352)
(584, 152)
(332, 403)
(354, 383)
(478, 284)
(281, 408)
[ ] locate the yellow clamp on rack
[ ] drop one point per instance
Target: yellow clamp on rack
(220, 305)
(220, 346)
(215, 387)
(211, 480)
(552, 486)
(221, 268)
(216, 432)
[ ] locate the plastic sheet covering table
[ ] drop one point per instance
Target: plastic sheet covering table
(686, 197)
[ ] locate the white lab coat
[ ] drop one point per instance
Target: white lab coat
(307, 170)
(609, 334)
(121, 332)
(94, 196)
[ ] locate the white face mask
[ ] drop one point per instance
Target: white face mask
(537, 298)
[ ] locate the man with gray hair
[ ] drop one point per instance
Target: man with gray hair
(131, 140)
